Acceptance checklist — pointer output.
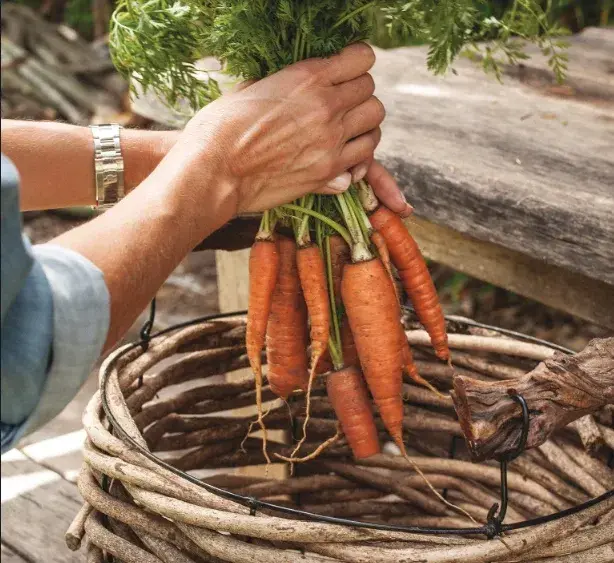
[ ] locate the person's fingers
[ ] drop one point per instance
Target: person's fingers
(350, 63)
(387, 190)
(360, 171)
(244, 84)
(358, 150)
(364, 118)
(353, 93)
(338, 185)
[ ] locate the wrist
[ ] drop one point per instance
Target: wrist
(193, 185)
(142, 152)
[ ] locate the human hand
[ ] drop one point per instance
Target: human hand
(295, 132)
(387, 190)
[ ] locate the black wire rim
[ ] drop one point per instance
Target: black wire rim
(492, 528)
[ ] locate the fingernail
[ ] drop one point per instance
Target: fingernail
(407, 211)
(341, 183)
(359, 172)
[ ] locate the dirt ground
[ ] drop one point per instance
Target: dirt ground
(191, 291)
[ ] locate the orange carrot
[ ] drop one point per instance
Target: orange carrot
(382, 250)
(408, 360)
(415, 276)
(263, 272)
(325, 364)
(350, 354)
(312, 274)
(348, 394)
(410, 368)
(373, 313)
(340, 256)
(286, 338)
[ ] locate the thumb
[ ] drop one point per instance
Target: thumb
(387, 190)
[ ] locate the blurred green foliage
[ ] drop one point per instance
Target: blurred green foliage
(573, 14)
(78, 15)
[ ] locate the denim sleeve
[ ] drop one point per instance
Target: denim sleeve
(55, 318)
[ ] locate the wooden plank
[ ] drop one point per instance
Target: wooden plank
(516, 164)
(232, 280)
(57, 445)
(556, 287)
(533, 278)
(7, 555)
(503, 163)
(34, 521)
(590, 69)
(62, 453)
(526, 165)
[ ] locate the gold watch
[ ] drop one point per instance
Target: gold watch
(108, 165)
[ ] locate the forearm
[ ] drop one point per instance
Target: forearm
(56, 161)
(140, 241)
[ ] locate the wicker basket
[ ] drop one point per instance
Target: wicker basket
(165, 409)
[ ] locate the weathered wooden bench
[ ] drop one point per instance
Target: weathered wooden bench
(512, 183)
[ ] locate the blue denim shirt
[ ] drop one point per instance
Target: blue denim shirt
(54, 322)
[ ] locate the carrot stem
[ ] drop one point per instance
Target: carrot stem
(367, 196)
(354, 13)
(265, 232)
(336, 354)
(334, 344)
(350, 220)
(319, 225)
(361, 216)
(360, 248)
(303, 237)
(343, 232)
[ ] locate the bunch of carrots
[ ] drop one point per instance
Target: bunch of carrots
(329, 287)
(336, 296)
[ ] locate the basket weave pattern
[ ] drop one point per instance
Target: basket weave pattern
(140, 512)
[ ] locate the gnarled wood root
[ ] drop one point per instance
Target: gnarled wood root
(558, 391)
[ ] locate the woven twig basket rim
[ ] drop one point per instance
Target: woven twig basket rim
(254, 504)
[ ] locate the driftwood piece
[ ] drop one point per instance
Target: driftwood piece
(591, 436)
(605, 416)
(59, 73)
(558, 391)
